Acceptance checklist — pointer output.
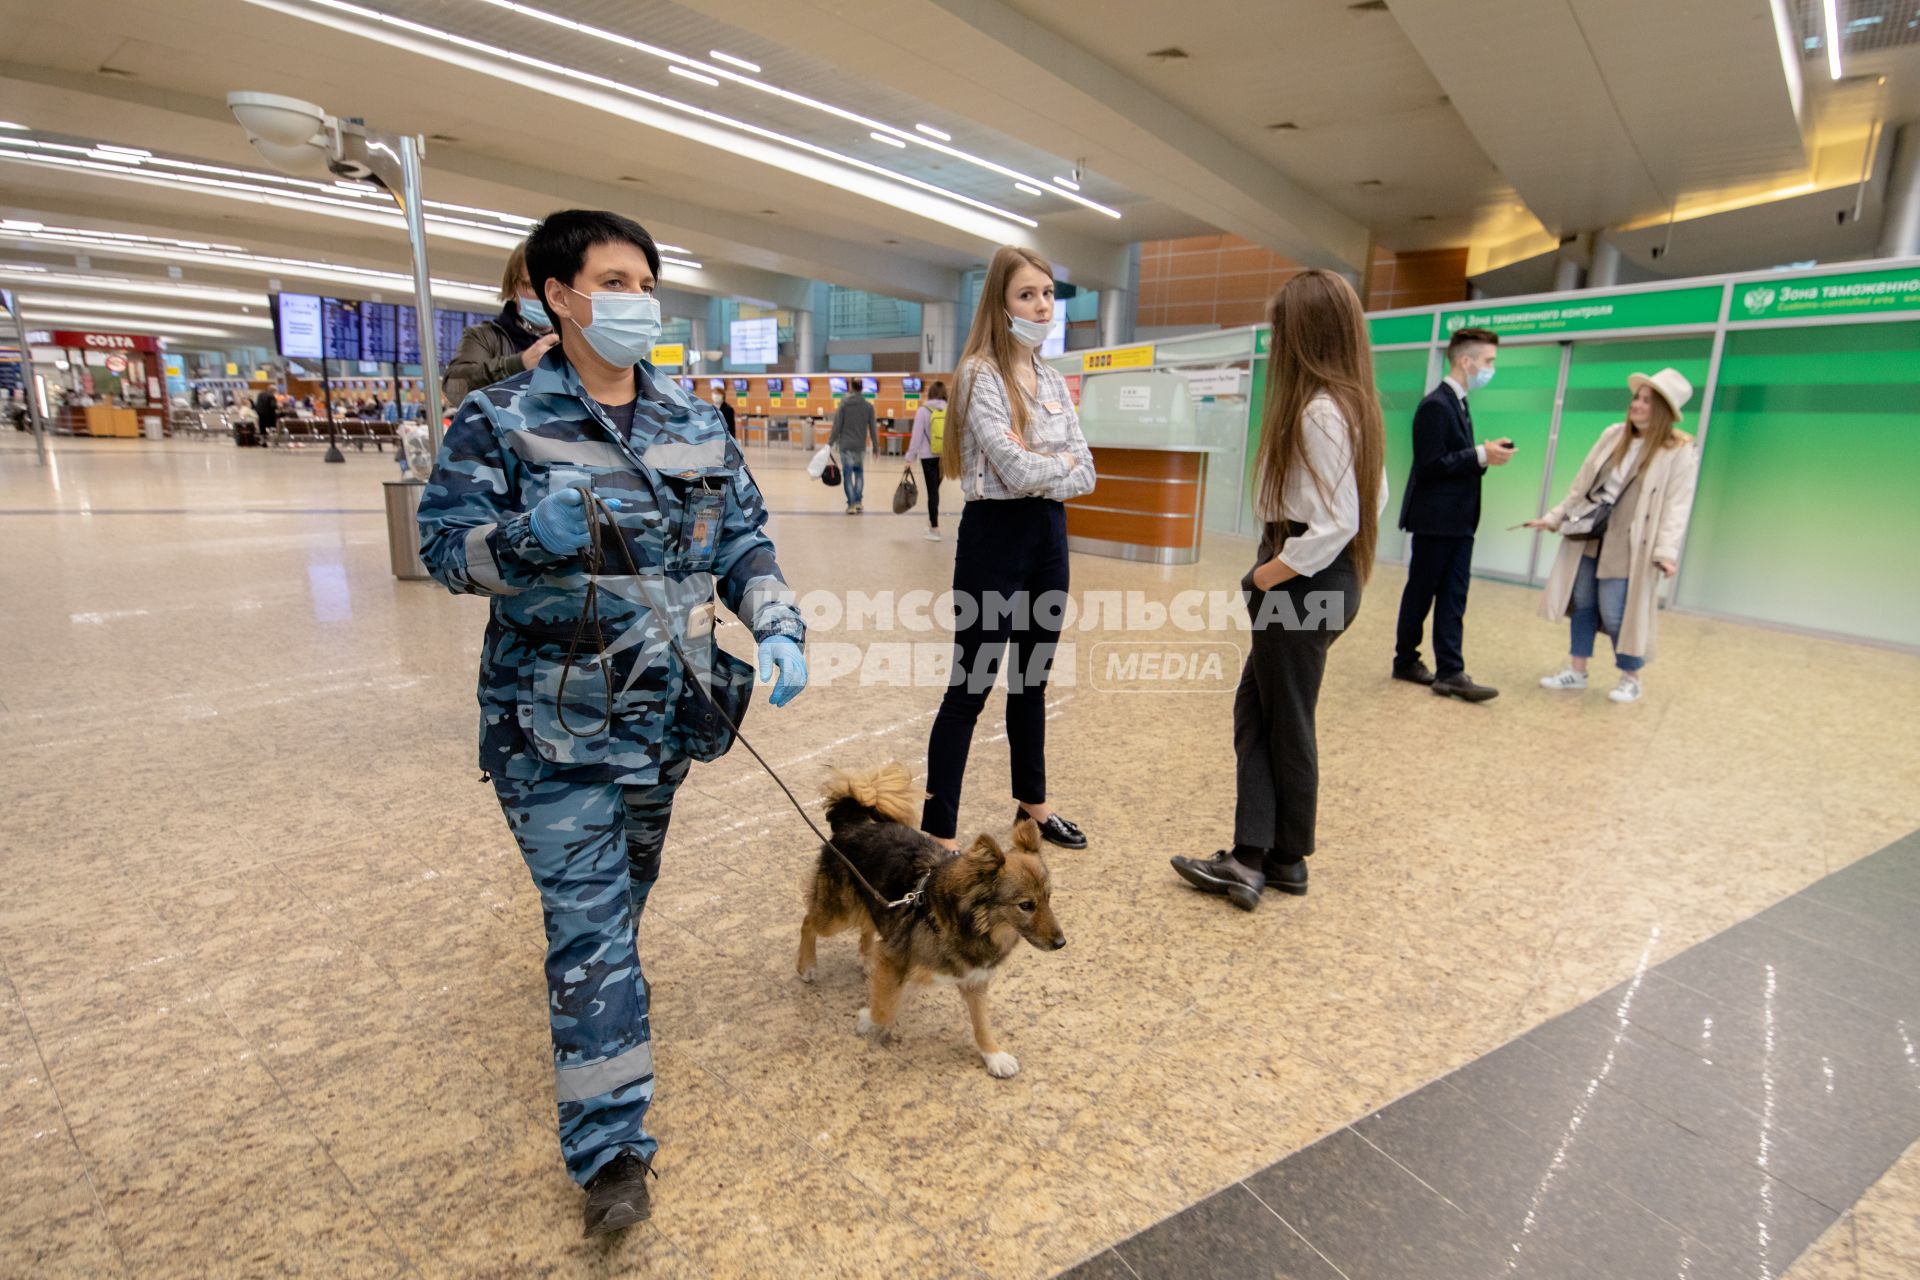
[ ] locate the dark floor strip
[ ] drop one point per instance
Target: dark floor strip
(1708, 1118)
(193, 511)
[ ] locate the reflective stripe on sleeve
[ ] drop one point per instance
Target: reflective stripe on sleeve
(480, 564)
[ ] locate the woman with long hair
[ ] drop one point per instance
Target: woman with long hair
(926, 446)
(1642, 471)
(511, 343)
(1320, 487)
(1013, 442)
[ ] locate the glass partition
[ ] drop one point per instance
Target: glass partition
(1401, 377)
(1518, 405)
(1808, 510)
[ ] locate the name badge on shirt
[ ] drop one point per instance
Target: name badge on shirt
(1051, 406)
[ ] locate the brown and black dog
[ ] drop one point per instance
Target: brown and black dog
(975, 908)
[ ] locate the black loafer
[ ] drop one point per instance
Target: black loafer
(1223, 874)
(617, 1196)
(1056, 830)
(1288, 877)
(1462, 687)
(1413, 673)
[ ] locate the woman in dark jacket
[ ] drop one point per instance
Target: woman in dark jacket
(512, 342)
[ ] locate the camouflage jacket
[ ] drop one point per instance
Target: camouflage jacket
(690, 514)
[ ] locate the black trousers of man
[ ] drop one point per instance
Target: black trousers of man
(1438, 574)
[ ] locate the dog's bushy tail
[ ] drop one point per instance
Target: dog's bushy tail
(883, 794)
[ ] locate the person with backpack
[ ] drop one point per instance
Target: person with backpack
(929, 433)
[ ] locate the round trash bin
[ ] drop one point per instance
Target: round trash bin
(403, 527)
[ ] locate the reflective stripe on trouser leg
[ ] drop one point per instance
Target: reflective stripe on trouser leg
(572, 837)
(648, 810)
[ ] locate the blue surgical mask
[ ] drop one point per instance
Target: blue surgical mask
(1480, 378)
(1029, 333)
(533, 312)
(625, 326)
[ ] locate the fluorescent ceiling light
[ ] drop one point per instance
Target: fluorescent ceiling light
(132, 151)
(1068, 183)
(8, 124)
(1030, 190)
(118, 157)
(233, 258)
(20, 224)
(111, 324)
(1831, 8)
(62, 303)
(669, 248)
(887, 138)
(694, 75)
(932, 132)
(781, 158)
(641, 46)
(742, 63)
(40, 277)
(683, 262)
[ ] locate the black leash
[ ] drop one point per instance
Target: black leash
(599, 518)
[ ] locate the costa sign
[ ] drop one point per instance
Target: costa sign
(89, 341)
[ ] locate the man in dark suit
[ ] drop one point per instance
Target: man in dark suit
(1441, 509)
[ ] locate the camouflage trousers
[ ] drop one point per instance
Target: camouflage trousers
(594, 851)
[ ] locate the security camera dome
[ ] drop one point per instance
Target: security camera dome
(300, 158)
(274, 118)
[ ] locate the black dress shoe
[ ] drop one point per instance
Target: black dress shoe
(617, 1195)
(1223, 874)
(1416, 672)
(1056, 830)
(1461, 686)
(1288, 877)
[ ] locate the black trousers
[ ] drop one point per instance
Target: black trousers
(930, 481)
(1275, 746)
(1010, 554)
(1438, 575)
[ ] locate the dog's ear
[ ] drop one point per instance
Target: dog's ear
(987, 853)
(1026, 835)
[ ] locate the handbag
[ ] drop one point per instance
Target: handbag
(906, 493)
(1591, 524)
(831, 476)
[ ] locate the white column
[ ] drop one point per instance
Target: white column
(1900, 233)
(939, 342)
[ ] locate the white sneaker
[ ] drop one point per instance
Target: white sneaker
(933, 535)
(1628, 690)
(1567, 679)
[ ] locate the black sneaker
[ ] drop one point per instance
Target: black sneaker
(1223, 874)
(1288, 877)
(1461, 686)
(1056, 830)
(1415, 672)
(617, 1195)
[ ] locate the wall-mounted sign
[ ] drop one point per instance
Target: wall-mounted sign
(669, 355)
(1590, 312)
(1387, 331)
(1214, 382)
(1117, 358)
(1866, 291)
(116, 363)
(1135, 399)
(87, 341)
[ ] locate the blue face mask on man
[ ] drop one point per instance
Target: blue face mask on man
(533, 312)
(625, 326)
(1480, 378)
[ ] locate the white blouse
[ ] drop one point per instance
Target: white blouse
(1333, 521)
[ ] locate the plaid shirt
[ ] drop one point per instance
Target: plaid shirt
(1055, 461)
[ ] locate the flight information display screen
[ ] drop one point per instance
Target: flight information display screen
(298, 325)
(342, 321)
(379, 333)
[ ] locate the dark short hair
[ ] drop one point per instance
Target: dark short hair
(1467, 338)
(557, 249)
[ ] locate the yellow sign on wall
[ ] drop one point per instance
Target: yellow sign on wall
(1118, 358)
(669, 355)
(233, 370)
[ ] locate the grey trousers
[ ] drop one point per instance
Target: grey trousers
(1277, 758)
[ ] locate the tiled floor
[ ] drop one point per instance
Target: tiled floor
(1709, 1117)
(272, 999)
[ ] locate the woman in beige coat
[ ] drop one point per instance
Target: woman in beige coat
(1646, 467)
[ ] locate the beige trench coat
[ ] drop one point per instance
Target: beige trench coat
(1659, 524)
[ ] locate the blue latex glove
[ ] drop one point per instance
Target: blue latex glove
(783, 653)
(559, 520)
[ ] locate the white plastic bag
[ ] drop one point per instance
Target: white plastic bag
(818, 466)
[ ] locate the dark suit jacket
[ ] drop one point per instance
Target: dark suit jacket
(1443, 487)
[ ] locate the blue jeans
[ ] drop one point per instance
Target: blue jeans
(853, 476)
(1598, 605)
